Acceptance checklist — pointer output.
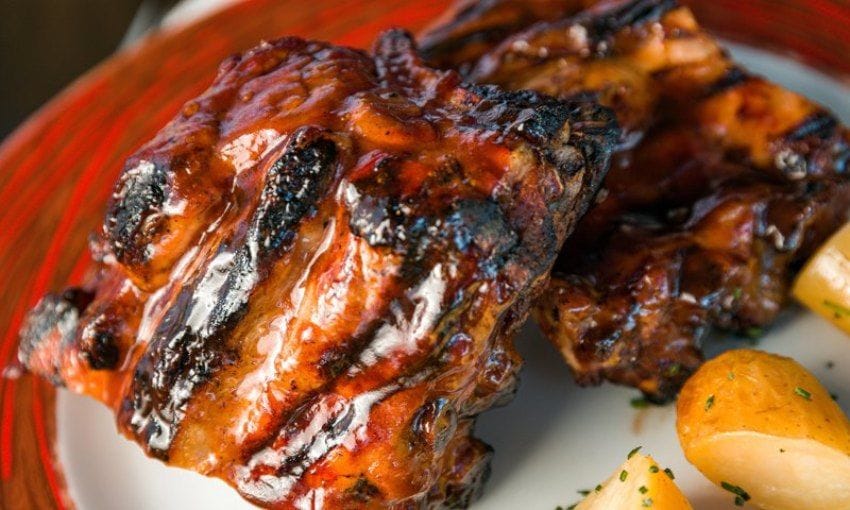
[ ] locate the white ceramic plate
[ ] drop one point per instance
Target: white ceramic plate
(553, 440)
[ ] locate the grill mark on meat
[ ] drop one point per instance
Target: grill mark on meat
(630, 14)
(711, 126)
(468, 224)
(141, 193)
(278, 336)
(280, 462)
(273, 471)
(733, 77)
(293, 184)
(330, 420)
(694, 285)
(531, 115)
(821, 125)
(560, 48)
(189, 343)
(818, 145)
(475, 27)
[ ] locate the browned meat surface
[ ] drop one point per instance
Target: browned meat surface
(636, 311)
(723, 185)
(472, 27)
(307, 284)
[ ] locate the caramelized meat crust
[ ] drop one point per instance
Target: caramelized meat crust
(472, 27)
(636, 311)
(308, 282)
(722, 185)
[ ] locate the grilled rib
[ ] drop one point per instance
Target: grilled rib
(722, 186)
(307, 283)
(636, 311)
(471, 28)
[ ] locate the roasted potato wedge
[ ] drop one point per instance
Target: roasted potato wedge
(638, 483)
(762, 427)
(824, 283)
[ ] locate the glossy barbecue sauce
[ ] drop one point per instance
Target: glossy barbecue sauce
(308, 281)
(722, 185)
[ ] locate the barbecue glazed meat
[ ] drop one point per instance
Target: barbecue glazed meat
(637, 310)
(472, 27)
(307, 284)
(723, 185)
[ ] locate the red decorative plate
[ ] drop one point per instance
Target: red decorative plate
(57, 169)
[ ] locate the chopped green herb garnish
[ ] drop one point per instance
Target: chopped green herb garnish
(584, 493)
(782, 450)
(669, 473)
(642, 489)
(623, 475)
(731, 376)
(830, 365)
(709, 402)
(740, 494)
(737, 293)
(833, 396)
(633, 452)
(803, 393)
(754, 333)
(673, 370)
(598, 488)
(647, 502)
(653, 469)
(837, 310)
(640, 403)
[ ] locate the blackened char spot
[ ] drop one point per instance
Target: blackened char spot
(632, 13)
(594, 133)
(536, 117)
(189, 344)
(543, 120)
(363, 490)
(468, 36)
(100, 350)
(336, 360)
(141, 192)
(54, 314)
(817, 125)
(733, 77)
(468, 226)
(292, 186)
(480, 227)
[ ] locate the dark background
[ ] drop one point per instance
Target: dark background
(46, 44)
